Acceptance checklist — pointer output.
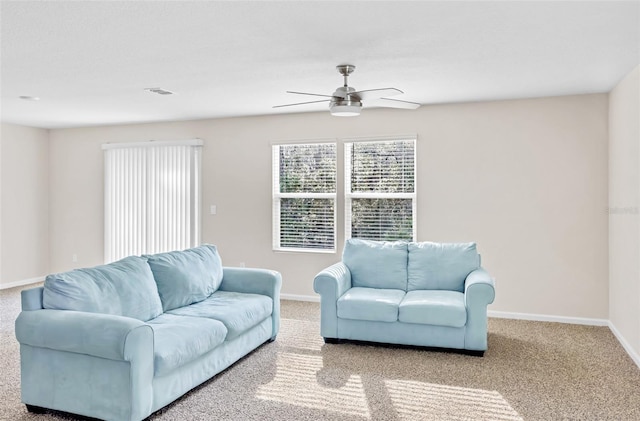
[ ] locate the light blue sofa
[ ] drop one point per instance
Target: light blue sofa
(120, 341)
(422, 294)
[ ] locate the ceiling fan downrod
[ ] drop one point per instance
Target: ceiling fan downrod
(345, 70)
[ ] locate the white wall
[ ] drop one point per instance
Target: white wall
(624, 204)
(24, 199)
(525, 179)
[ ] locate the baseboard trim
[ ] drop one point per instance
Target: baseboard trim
(22, 282)
(295, 297)
(627, 347)
(547, 318)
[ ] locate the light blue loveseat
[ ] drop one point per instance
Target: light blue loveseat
(120, 341)
(423, 294)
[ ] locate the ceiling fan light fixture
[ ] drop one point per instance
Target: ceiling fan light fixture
(345, 108)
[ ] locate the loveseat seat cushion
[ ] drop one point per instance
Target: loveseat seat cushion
(435, 307)
(237, 311)
(373, 304)
(376, 264)
(122, 288)
(441, 265)
(177, 340)
(187, 276)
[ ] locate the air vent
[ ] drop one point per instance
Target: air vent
(159, 91)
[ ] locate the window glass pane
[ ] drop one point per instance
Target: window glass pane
(308, 168)
(383, 167)
(382, 219)
(307, 223)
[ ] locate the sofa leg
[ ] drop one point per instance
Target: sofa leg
(333, 341)
(475, 353)
(35, 409)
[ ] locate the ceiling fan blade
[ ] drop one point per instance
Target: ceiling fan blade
(307, 93)
(396, 103)
(376, 93)
(301, 103)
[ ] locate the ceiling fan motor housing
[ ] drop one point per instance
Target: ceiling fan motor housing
(344, 104)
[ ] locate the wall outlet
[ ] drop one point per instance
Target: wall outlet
(213, 209)
(74, 258)
(242, 264)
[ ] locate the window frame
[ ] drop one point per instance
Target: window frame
(277, 197)
(349, 195)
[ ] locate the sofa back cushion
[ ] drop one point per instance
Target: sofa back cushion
(441, 265)
(376, 264)
(122, 288)
(186, 277)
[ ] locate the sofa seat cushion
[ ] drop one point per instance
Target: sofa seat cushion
(433, 307)
(123, 288)
(238, 311)
(373, 304)
(178, 340)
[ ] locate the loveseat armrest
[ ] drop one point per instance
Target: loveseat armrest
(255, 281)
(331, 283)
(479, 288)
(99, 335)
(479, 292)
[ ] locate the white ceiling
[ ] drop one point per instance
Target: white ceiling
(90, 61)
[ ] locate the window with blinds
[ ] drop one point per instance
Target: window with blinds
(152, 195)
(304, 197)
(380, 193)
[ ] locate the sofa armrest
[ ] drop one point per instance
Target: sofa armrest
(99, 335)
(32, 298)
(331, 283)
(255, 281)
(479, 288)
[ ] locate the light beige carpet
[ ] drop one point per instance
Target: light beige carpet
(532, 371)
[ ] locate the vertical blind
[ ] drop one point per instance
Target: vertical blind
(380, 189)
(304, 196)
(152, 195)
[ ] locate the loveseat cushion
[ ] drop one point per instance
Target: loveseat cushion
(178, 340)
(441, 265)
(122, 288)
(186, 277)
(237, 311)
(376, 264)
(435, 307)
(373, 304)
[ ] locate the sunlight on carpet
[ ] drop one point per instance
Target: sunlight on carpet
(417, 400)
(295, 383)
(295, 333)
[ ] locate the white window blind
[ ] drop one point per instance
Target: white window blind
(304, 197)
(152, 195)
(380, 193)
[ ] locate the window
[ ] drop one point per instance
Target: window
(304, 197)
(380, 194)
(152, 195)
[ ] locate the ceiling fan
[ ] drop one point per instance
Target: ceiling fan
(346, 101)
